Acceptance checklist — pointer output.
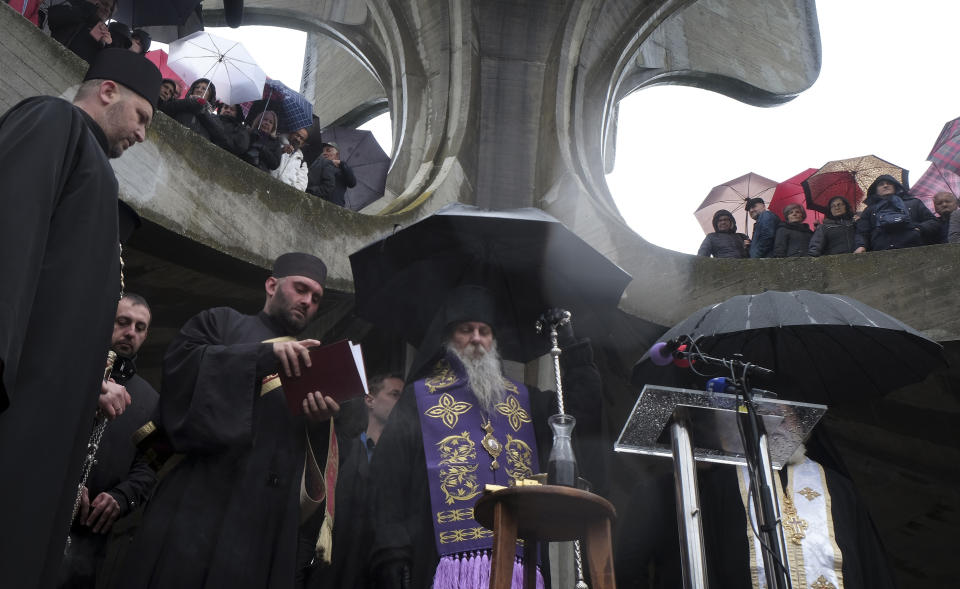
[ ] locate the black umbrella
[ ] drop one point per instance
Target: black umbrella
(138, 13)
(528, 259)
(824, 348)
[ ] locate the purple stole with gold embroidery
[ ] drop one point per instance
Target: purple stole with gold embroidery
(462, 457)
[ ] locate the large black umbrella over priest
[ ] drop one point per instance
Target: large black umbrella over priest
(526, 258)
(824, 348)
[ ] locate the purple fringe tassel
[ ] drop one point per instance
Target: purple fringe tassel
(471, 570)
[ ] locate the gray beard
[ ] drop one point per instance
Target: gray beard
(483, 373)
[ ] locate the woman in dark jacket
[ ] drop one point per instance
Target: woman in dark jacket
(724, 242)
(793, 237)
(196, 111)
(236, 136)
(265, 149)
(836, 234)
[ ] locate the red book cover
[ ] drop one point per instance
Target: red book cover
(337, 371)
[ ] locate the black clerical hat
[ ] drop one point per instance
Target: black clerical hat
(300, 264)
(130, 69)
(470, 302)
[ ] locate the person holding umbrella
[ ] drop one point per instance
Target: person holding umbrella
(724, 242)
(893, 219)
(458, 412)
(836, 234)
(265, 149)
(329, 163)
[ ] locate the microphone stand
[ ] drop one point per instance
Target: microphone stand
(762, 485)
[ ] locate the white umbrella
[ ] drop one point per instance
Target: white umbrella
(226, 63)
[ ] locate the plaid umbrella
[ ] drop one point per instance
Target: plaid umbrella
(732, 196)
(935, 179)
(946, 149)
(849, 178)
(293, 109)
(790, 191)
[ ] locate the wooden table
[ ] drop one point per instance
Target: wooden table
(546, 513)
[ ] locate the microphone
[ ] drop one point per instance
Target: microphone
(675, 350)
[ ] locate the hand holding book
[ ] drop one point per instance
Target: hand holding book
(335, 370)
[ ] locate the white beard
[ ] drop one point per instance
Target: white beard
(483, 373)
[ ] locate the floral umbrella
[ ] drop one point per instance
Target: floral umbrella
(849, 178)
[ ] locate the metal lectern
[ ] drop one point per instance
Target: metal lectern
(690, 425)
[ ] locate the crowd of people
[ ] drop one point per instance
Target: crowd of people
(232, 488)
(86, 28)
(892, 219)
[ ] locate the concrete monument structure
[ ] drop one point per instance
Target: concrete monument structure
(513, 104)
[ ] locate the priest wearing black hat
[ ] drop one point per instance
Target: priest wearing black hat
(60, 285)
(227, 514)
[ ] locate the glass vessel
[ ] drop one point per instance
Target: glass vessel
(562, 467)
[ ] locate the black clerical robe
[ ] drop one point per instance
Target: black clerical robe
(119, 471)
(403, 526)
(227, 514)
(58, 297)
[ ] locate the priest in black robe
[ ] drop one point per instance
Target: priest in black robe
(404, 552)
(227, 514)
(122, 479)
(61, 283)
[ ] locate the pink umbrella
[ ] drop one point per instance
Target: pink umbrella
(935, 179)
(159, 59)
(732, 196)
(790, 191)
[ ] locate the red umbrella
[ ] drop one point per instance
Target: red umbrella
(790, 191)
(732, 196)
(849, 178)
(159, 59)
(935, 179)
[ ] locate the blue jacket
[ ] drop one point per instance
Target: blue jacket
(764, 233)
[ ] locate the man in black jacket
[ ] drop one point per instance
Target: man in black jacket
(342, 174)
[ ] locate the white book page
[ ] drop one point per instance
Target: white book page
(361, 369)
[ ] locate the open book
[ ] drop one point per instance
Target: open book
(337, 371)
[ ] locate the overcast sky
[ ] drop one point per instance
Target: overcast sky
(886, 87)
